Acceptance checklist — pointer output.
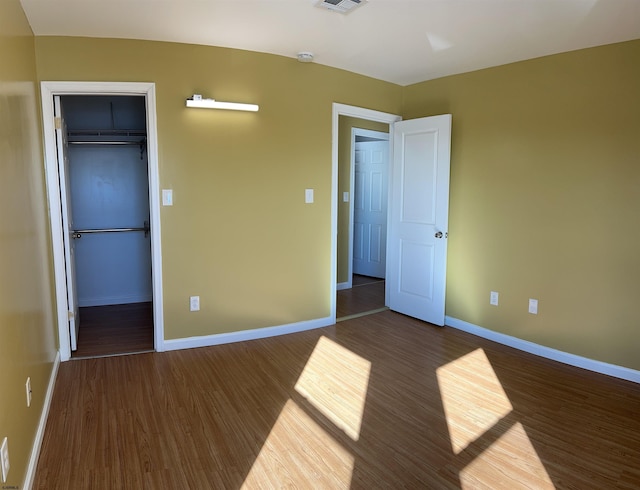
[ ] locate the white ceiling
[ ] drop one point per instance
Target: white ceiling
(400, 41)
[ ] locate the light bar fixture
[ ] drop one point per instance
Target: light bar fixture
(198, 101)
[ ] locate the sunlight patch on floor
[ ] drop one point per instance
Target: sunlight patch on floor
(511, 462)
(472, 396)
(298, 453)
(475, 406)
(335, 382)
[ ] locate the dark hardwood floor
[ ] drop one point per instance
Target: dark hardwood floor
(360, 280)
(381, 401)
(367, 294)
(115, 329)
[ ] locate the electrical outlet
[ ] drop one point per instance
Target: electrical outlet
(533, 306)
(28, 387)
(4, 459)
(493, 298)
(194, 303)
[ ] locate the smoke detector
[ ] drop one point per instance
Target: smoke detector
(305, 57)
(341, 6)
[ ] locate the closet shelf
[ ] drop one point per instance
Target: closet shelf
(106, 132)
(108, 137)
(107, 142)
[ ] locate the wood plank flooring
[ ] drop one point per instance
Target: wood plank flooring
(367, 294)
(115, 329)
(381, 401)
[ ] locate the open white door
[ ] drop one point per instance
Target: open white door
(67, 223)
(370, 208)
(418, 217)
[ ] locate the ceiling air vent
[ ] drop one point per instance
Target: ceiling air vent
(342, 6)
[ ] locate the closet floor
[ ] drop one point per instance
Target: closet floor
(115, 329)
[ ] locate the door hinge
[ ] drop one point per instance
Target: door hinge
(57, 121)
(70, 315)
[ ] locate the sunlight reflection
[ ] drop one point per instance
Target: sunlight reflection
(472, 396)
(335, 382)
(511, 460)
(298, 450)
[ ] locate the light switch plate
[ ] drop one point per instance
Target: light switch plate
(345, 196)
(308, 196)
(533, 306)
(167, 197)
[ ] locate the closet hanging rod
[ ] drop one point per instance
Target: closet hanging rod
(78, 233)
(112, 230)
(75, 234)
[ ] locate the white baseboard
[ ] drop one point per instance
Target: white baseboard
(343, 285)
(258, 333)
(37, 443)
(115, 300)
(546, 352)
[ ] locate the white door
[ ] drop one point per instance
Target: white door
(370, 208)
(67, 223)
(418, 217)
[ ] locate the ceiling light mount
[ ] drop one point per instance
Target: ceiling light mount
(197, 101)
(305, 57)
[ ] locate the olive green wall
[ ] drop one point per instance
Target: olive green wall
(345, 125)
(542, 185)
(544, 195)
(239, 234)
(27, 345)
(545, 198)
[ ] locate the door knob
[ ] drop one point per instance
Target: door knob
(439, 234)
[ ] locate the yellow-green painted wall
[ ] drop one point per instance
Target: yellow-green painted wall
(345, 125)
(27, 341)
(239, 234)
(545, 198)
(544, 194)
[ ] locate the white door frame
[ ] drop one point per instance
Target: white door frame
(48, 90)
(352, 187)
(361, 113)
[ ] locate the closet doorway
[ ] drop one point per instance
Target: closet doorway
(108, 212)
(102, 170)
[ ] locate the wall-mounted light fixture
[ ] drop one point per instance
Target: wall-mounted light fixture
(198, 101)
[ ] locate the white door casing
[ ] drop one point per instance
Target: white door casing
(67, 223)
(361, 113)
(147, 89)
(418, 218)
(370, 208)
